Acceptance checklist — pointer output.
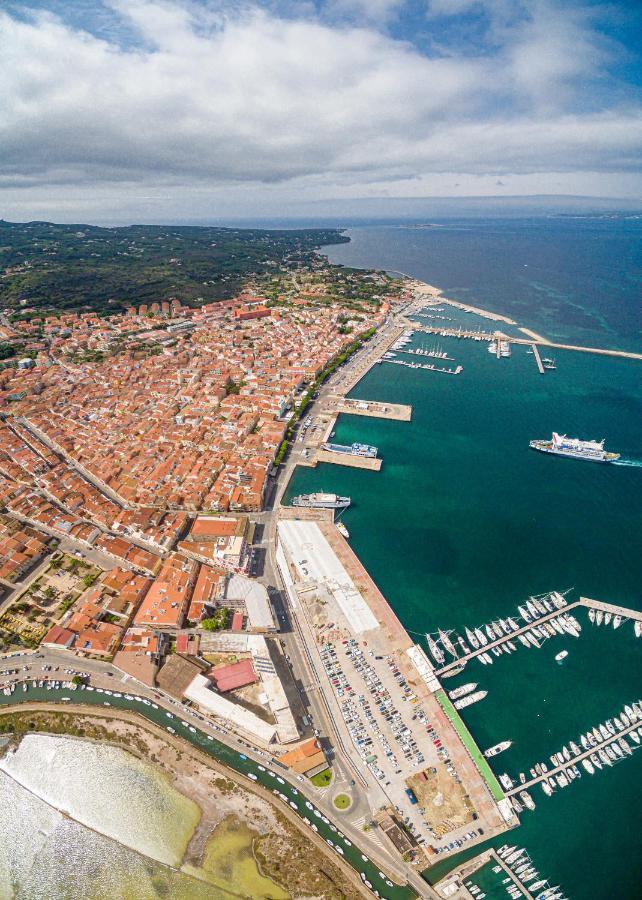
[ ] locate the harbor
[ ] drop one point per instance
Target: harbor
(360, 650)
(475, 334)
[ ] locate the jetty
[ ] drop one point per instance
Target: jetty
(634, 614)
(373, 463)
(538, 359)
(540, 620)
(399, 412)
(478, 335)
(573, 760)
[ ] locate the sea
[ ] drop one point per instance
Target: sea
(464, 522)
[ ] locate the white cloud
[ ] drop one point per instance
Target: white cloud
(214, 99)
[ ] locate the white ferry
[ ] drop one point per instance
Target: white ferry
(561, 445)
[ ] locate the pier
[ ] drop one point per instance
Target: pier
(399, 412)
(477, 335)
(373, 463)
(635, 614)
(538, 359)
(574, 759)
(583, 601)
(508, 637)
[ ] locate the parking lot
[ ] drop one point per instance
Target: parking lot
(391, 733)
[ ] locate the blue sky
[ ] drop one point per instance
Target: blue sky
(186, 109)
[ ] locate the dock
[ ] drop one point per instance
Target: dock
(538, 359)
(573, 760)
(583, 601)
(399, 412)
(507, 637)
(346, 459)
(635, 614)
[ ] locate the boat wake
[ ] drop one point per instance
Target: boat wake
(636, 463)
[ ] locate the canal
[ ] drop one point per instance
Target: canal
(261, 773)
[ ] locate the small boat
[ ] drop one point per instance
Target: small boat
(341, 528)
(472, 639)
(591, 615)
(617, 621)
(561, 656)
(588, 766)
(435, 650)
(470, 699)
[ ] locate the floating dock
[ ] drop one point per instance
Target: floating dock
(574, 759)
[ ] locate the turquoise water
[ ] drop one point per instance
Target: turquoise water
(464, 522)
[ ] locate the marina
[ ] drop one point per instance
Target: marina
(504, 638)
(608, 744)
(464, 557)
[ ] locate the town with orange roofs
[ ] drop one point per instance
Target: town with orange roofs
(136, 451)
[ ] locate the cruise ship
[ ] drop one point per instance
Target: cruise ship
(355, 449)
(321, 501)
(575, 448)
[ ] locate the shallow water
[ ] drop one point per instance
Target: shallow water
(124, 811)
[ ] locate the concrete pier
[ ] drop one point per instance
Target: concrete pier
(583, 601)
(375, 409)
(573, 760)
(538, 359)
(346, 459)
(611, 608)
(529, 342)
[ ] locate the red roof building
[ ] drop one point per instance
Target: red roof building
(58, 637)
(237, 621)
(236, 675)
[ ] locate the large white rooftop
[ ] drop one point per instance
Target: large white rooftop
(200, 691)
(307, 548)
(255, 597)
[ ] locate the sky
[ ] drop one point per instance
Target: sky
(178, 110)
